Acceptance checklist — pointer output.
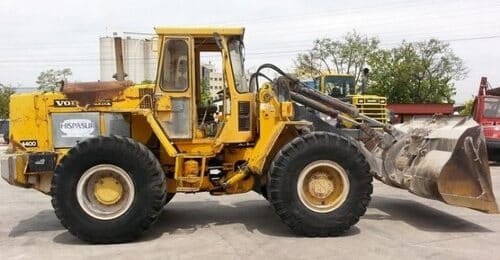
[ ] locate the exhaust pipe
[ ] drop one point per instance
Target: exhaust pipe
(120, 71)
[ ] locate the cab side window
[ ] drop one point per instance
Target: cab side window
(175, 76)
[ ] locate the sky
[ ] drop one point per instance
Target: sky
(40, 35)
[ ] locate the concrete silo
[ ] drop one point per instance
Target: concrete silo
(139, 60)
(133, 59)
(150, 61)
(107, 58)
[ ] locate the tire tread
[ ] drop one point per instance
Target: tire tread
(278, 174)
(157, 186)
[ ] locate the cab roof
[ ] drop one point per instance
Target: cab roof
(201, 31)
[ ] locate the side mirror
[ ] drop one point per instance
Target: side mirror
(154, 44)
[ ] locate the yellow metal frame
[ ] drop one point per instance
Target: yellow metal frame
(371, 105)
(200, 31)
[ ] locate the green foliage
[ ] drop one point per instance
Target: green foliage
(416, 72)
(48, 80)
(467, 110)
(5, 92)
(413, 72)
(147, 81)
(345, 56)
(206, 99)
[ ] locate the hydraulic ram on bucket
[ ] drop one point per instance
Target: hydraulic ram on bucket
(439, 158)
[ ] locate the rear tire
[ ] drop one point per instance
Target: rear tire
(108, 190)
(320, 184)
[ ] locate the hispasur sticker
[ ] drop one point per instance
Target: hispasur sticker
(77, 128)
(70, 128)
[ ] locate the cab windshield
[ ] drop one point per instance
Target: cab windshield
(492, 107)
(339, 86)
(236, 50)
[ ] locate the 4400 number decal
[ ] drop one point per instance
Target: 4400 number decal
(29, 143)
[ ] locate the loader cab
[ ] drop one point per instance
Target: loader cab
(202, 95)
(336, 85)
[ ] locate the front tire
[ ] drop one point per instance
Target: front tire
(320, 184)
(108, 190)
(169, 197)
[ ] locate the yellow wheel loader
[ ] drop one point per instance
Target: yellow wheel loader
(343, 87)
(112, 154)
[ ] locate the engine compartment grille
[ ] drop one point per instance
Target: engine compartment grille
(244, 116)
(146, 102)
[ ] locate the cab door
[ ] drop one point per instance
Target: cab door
(175, 82)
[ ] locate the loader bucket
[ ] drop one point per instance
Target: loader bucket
(443, 159)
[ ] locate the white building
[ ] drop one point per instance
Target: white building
(215, 79)
(139, 60)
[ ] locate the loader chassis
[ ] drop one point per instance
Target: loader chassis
(112, 154)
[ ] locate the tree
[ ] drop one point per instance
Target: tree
(206, 98)
(416, 72)
(467, 110)
(147, 81)
(5, 92)
(47, 80)
(346, 56)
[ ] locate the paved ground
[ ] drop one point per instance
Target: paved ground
(397, 225)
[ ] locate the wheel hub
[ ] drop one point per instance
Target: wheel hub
(108, 190)
(105, 191)
(320, 186)
(323, 186)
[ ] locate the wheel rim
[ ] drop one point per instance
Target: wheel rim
(105, 191)
(323, 186)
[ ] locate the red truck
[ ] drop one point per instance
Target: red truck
(486, 111)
